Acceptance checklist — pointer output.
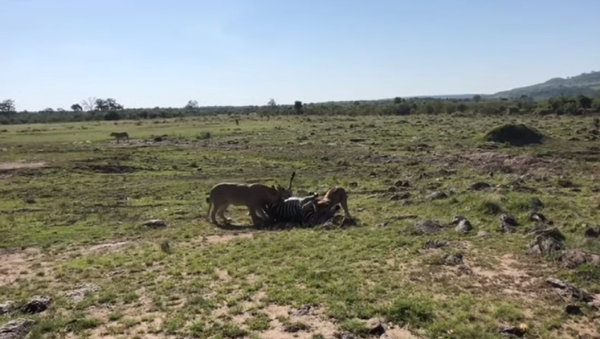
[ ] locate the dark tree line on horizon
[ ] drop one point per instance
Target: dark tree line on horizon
(94, 109)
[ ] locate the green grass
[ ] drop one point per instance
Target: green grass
(351, 274)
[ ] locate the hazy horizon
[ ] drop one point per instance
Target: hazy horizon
(234, 52)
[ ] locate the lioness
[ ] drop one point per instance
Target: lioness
(336, 195)
(120, 136)
(254, 196)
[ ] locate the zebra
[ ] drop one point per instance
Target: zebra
(300, 210)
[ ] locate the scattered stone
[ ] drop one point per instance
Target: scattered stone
(453, 259)
(402, 183)
(428, 226)
(7, 307)
(357, 140)
(395, 197)
(437, 195)
(536, 204)
(479, 186)
(511, 331)
(346, 335)
(575, 258)
(573, 310)
(353, 185)
(16, 329)
(436, 243)
(302, 311)
(565, 183)
(375, 327)
(464, 270)
(155, 224)
(392, 189)
(165, 247)
(547, 241)
(569, 291)
(463, 225)
(590, 232)
(539, 217)
(81, 291)
(37, 304)
(508, 224)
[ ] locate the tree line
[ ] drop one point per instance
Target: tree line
(94, 109)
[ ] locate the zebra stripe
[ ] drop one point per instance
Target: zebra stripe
(290, 210)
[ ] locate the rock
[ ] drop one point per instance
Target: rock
(402, 196)
(392, 189)
(304, 310)
(395, 197)
(436, 243)
(375, 327)
(508, 224)
(536, 204)
(346, 336)
(479, 186)
(575, 258)
(437, 195)
(511, 331)
(155, 224)
(463, 225)
(353, 185)
(428, 227)
(547, 241)
(453, 259)
(81, 291)
(591, 232)
(165, 247)
(573, 310)
(16, 329)
(539, 217)
(569, 291)
(37, 304)
(384, 224)
(7, 307)
(402, 183)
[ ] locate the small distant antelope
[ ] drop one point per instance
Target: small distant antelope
(120, 136)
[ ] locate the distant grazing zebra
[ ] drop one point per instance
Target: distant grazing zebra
(119, 136)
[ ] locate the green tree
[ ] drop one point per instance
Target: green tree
(397, 100)
(584, 102)
(112, 115)
(76, 108)
(477, 98)
(298, 107)
(7, 107)
(191, 106)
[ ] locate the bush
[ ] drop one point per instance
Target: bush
(516, 135)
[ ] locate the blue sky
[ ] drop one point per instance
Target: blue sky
(147, 53)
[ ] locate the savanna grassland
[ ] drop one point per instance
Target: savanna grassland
(73, 204)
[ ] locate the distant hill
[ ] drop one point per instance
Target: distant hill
(587, 84)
